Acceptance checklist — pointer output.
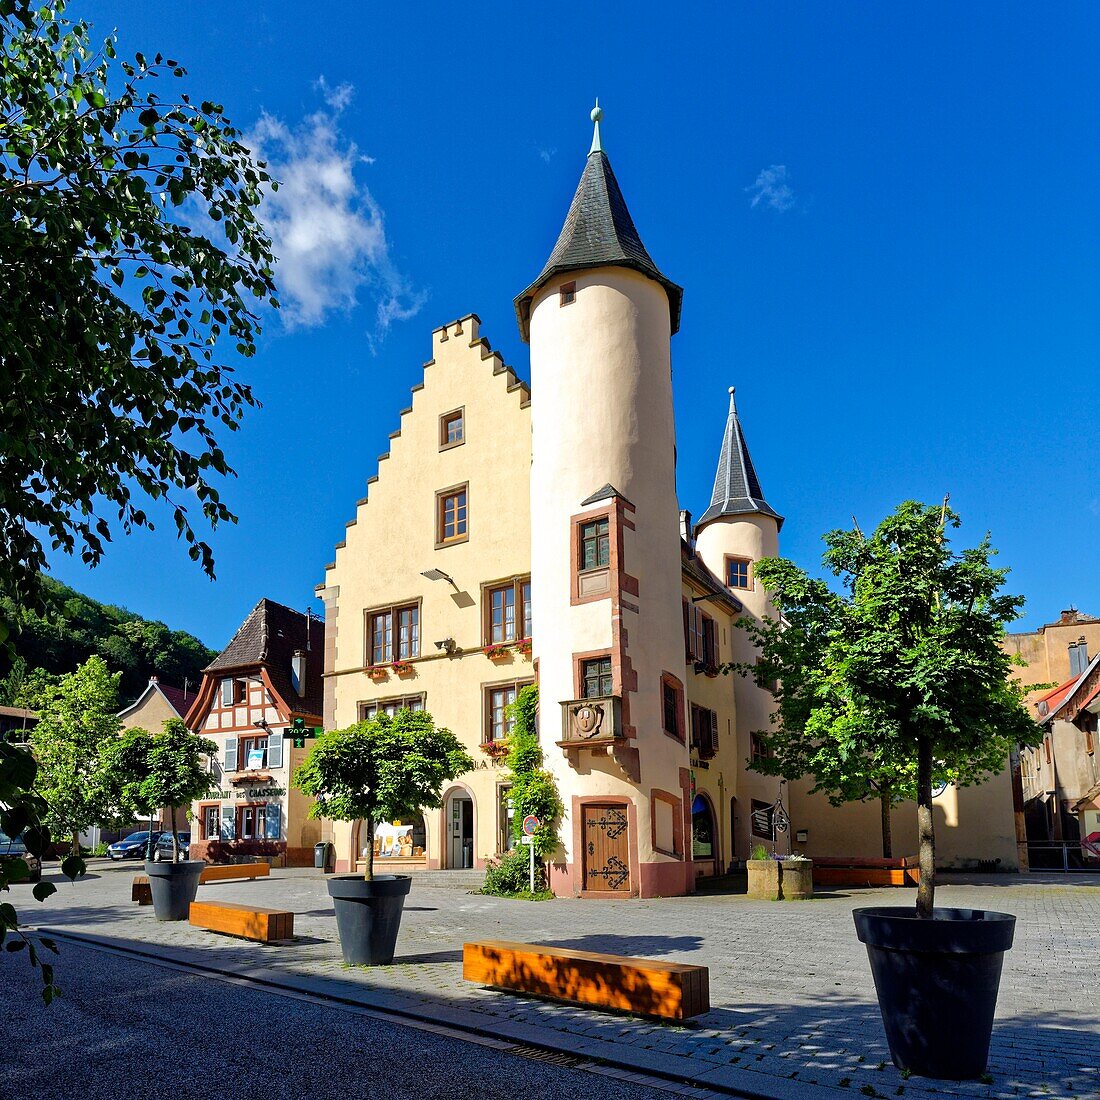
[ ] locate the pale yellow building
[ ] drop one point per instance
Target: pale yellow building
(508, 538)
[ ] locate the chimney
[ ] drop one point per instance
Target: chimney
(1068, 617)
(298, 672)
(1083, 652)
(685, 527)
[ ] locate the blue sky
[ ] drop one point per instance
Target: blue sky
(885, 218)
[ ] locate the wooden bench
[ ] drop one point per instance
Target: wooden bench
(645, 987)
(247, 921)
(224, 872)
(216, 872)
(843, 871)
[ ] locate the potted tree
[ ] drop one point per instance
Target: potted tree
(374, 771)
(168, 769)
(894, 684)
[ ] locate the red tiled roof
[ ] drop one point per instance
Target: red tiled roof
(181, 700)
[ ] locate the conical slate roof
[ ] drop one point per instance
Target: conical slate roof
(599, 232)
(737, 489)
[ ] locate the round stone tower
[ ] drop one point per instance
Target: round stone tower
(605, 560)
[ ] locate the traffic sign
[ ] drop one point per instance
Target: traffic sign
(530, 824)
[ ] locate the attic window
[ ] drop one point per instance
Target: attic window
(568, 293)
(452, 429)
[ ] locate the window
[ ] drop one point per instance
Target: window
(390, 706)
(451, 525)
(596, 678)
(252, 821)
(210, 814)
(508, 612)
(452, 429)
(595, 544)
(737, 572)
(252, 753)
(760, 751)
(702, 829)
(700, 636)
(567, 294)
(394, 634)
(506, 813)
(762, 819)
(704, 731)
(500, 718)
(671, 709)
(232, 691)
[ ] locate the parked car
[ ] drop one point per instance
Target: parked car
(14, 848)
(162, 853)
(132, 846)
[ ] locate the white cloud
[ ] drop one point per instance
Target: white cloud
(327, 231)
(546, 154)
(771, 189)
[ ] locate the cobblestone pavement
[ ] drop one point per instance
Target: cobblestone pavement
(793, 1009)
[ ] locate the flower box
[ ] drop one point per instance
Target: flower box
(402, 668)
(377, 673)
(523, 646)
(497, 652)
(494, 749)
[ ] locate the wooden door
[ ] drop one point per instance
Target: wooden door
(606, 849)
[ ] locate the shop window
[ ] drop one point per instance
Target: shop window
(737, 572)
(393, 634)
(595, 544)
(390, 706)
(596, 679)
(702, 829)
(452, 429)
(508, 612)
(451, 516)
(506, 814)
(402, 839)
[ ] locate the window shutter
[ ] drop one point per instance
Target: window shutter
(713, 732)
(274, 821)
(230, 764)
(227, 693)
(274, 748)
(229, 824)
(687, 632)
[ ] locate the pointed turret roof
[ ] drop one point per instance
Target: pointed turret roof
(598, 232)
(737, 489)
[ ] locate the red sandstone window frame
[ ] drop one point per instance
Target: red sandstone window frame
(677, 850)
(203, 807)
(259, 814)
(583, 670)
(670, 684)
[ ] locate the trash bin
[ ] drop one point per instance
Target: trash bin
(322, 855)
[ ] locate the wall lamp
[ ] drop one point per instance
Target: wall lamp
(439, 575)
(447, 646)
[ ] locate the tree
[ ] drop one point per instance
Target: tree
(178, 772)
(899, 679)
(66, 627)
(77, 718)
(381, 769)
(533, 790)
(131, 252)
(123, 766)
(22, 815)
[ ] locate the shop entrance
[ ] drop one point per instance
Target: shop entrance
(460, 831)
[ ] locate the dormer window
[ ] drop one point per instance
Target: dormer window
(567, 294)
(232, 691)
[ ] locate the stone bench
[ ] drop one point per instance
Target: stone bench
(855, 871)
(247, 921)
(644, 987)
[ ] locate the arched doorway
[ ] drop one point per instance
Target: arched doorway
(458, 829)
(704, 836)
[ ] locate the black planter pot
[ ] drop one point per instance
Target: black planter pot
(173, 886)
(368, 916)
(937, 984)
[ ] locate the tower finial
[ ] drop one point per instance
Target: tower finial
(733, 407)
(596, 114)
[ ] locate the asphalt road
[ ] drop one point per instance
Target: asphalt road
(125, 1029)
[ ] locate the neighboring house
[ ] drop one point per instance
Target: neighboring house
(1061, 778)
(250, 696)
(509, 538)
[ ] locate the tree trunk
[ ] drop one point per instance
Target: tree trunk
(885, 801)
(368, 874)
(74, 844)
(175, 839)
(926, 835)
